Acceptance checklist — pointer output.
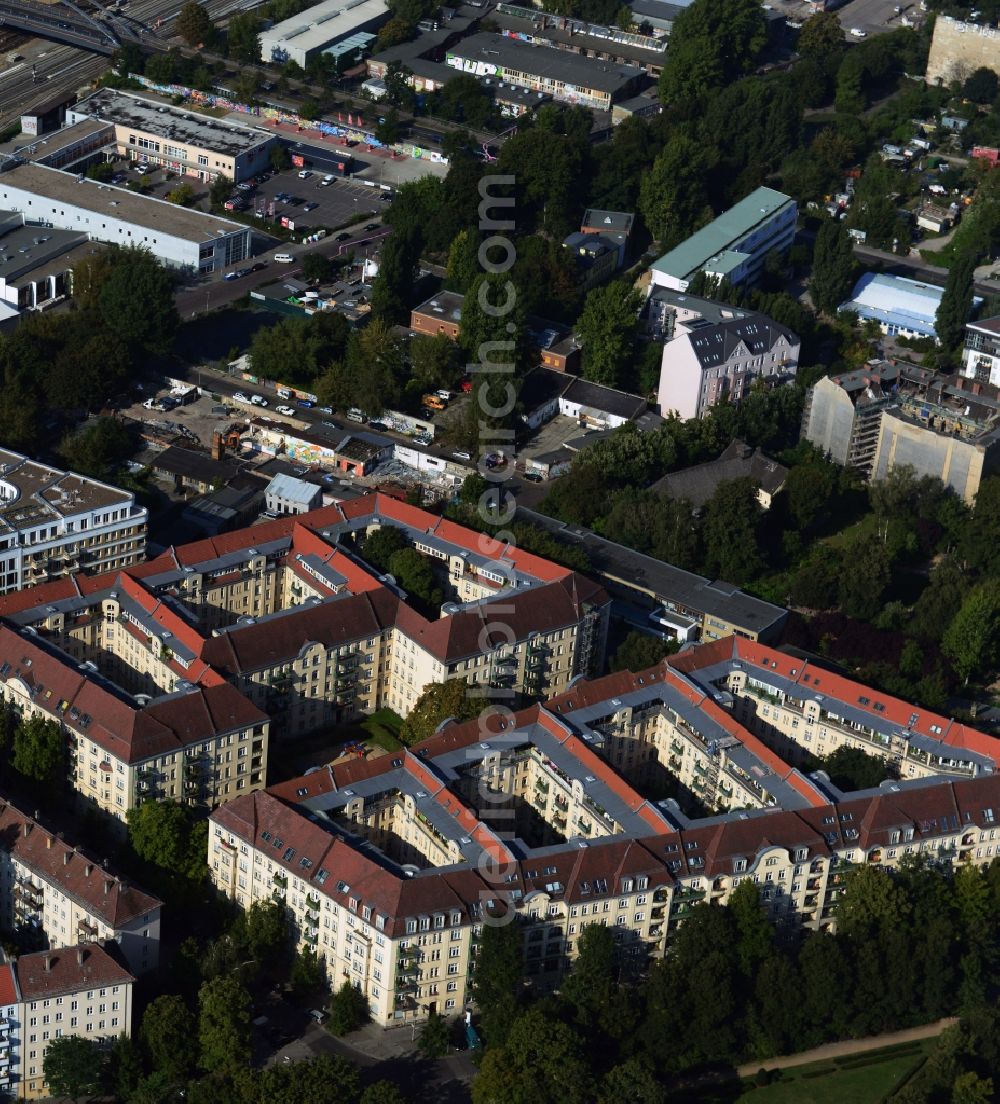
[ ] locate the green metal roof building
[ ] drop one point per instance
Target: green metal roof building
(733, 245)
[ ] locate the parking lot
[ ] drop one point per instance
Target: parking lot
(313, 205)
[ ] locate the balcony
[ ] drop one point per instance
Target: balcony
(281, 880)
(312, 938)
(541, 787)
(312, 904)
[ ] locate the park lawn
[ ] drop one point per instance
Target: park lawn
(884, 1071)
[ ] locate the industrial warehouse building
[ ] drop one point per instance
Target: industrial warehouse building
(178, 237)
(182, 141)
(334, 27)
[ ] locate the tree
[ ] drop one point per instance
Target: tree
(496, 983)
(972, 640)
(324, 1080)
(673, 194)
(712, 43)
(463, 261)
(124, 1068)
(590, 987)
(754, 934)
(639, 651)
(871, 901)
(730, 531)
(382, 1092)
(607, 329)
(439, 701)
(433, 1039)
(435, 361)
(833, 267)
(316, 268)
(414, 574)
(223, 1026)
(396, 276)
(956, 301)
(97, 448)
(163, 833)
(38, 750)
(243, 38)
(71, 1066)
(219, 191)
(279, 159)
(387, 129)
(853, 769)
(541, 1060)
(981, 86)
(194, 24)
(375, 357)
(137, 300)
(264, 928)
(822, 36)
(348, 1010)
(307, 974)
(167, 1031)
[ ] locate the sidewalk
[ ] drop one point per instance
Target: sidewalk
(848, 1046)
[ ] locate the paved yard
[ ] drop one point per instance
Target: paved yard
(336, 203)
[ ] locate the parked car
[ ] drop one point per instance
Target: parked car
(119, 178)
(246, 186)
(286, 410)
(462, 455)
(284, 258)
(258, 400)
(857, 32)
(310, 207)
(233, 275)
(355, 415)
(307, 403)
(143, 169)
(342, 237)
(533, 477)
(371, 226)
(240, 397)
(378, 425)
(327, 180)
(283, 393)
(259, 266)
(304, 174)
(325, 409)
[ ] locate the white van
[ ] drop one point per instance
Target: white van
(355, 415)
(284, 258)
(327, 180)
(284, 393)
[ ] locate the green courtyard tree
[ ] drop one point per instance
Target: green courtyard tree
(437, 703)
(164, 833)
(243, 37)
(100, 446)
(731, 532)
(307, 974)
(673, 194)
(38, 750)
(833, 266)
(607, 329)
(72, 1066)
(223, 1026)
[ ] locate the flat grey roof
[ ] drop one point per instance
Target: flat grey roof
(561, 66)
(324, 23)
(171, 123)
(26, 248)
(119, 203)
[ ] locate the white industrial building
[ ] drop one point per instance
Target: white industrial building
(733, 246)
(178, 237)
(321, 29)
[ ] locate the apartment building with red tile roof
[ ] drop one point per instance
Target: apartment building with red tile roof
(86, 990)
(154, 671)
(70, 896)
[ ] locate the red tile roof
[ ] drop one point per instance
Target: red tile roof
(58, 973)
(102, 894)
(8, 985)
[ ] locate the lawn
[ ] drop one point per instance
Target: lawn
(860, 1078)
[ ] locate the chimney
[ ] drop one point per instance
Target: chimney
(48, 964)
(81, 955)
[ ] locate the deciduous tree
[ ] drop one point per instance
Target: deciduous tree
(38, 750)
(607, 329)
(72, 1065)
(833, 266)
(223, 1026)
(438, 702)
(167, 1032)
(194, 24)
